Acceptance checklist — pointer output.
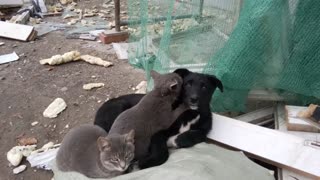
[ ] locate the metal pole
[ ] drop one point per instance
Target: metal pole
(117, 14)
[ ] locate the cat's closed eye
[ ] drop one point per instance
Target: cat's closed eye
(128, 156)
(114, 160)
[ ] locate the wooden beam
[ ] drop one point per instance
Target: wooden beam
(22, 18)
(277, 148)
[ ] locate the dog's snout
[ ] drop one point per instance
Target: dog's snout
(194, 99)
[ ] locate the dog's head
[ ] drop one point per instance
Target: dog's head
(197, 88)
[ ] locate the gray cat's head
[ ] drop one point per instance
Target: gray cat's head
(116, 152)
(168, 84)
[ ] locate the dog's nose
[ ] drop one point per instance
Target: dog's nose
(194, 99)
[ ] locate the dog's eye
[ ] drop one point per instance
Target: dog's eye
(189, 83)
(203, 87)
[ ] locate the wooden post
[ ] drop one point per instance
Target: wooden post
(117, 14)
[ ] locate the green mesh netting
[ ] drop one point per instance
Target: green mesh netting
(249, 44)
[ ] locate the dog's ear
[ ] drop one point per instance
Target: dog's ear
(182, 72)
(215, 81)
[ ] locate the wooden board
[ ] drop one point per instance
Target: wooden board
(11, 3)
(274, 147)
(15, 31)
(298, 124)
(280, 114)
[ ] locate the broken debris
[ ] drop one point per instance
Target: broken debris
(92, 85)
(87, 37)
(121, 50)
(141, 88)
(19, 169)
(56, 107)
(17, 31)
(16, 154)
(34, 123)
(9, 58)
(60, 59)
(42, 157)
(95, 60)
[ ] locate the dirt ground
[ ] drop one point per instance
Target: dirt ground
(27, 88)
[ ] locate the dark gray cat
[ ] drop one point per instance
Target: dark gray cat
(152, 113)
(88, 150)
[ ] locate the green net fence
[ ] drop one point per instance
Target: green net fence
(248, 44)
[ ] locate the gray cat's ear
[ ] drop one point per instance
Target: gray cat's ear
(103, 144)
(130, 137)
(154, 74)
(173, 86)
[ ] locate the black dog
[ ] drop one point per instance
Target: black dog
(190, 128)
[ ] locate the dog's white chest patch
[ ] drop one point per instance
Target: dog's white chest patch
(184, 128)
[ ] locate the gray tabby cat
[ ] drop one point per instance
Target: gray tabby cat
(88, 150)
(153, 112)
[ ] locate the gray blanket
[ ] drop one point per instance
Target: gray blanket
(202, 162)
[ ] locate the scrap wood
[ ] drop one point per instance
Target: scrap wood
(16, 31)
(95, 60)
(278, 148)
(24, 16)
(8, 58)
(90, 86)
(60, 59)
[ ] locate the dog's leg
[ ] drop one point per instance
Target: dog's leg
(190, 138)
(158, 151)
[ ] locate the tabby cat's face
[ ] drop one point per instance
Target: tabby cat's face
(119, 153)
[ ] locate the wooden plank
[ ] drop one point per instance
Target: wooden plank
(42, 6)
(11, 3)
(295, 123)
(24, 17)
(277, 148)
(15, 31)
(280, 114)
(256, 116)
